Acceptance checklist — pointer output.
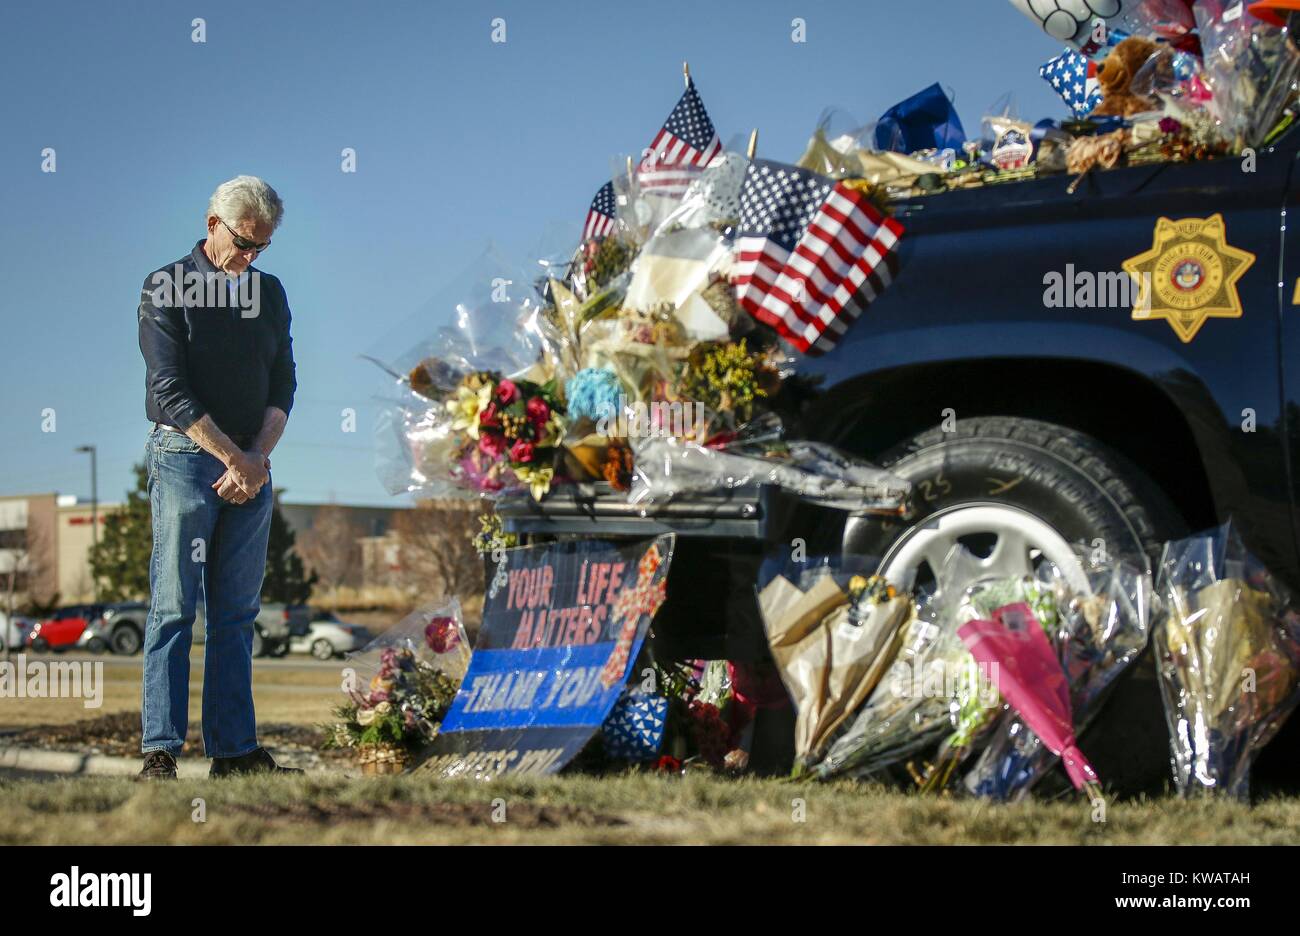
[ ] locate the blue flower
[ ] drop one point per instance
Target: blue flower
(594, 392)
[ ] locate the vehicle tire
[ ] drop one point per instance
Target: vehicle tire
(259, 642)
(279, 649)
(96, 645)
(1030, 475)
(322, 649)
(126, 640)
(41, 645)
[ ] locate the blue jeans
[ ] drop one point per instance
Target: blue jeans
(200, 541)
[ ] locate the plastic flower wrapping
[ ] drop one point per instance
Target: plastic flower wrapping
(886, 686)
(633, 352)
(1229, 660)
(833, 633)
(934, 699)
(1100, 631)
(404, 681)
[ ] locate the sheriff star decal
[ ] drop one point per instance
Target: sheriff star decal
(1189, 275)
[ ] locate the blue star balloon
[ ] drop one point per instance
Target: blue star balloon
(1074, 78)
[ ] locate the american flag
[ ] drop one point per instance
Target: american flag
(1075, 79)
(602, 214)
(685, 145)
(811, 253)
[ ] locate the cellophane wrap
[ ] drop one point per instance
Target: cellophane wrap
(1099, 633)
(414, 666)
(1229, 656)
(975, 706)
(912, 707)
(1250, 67)
(428, 441)
(667, 467)
(833, 635)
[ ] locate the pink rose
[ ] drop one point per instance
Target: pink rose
(521, 451)
(507, 392)
(538, 412)
(489, 416)
(492, 444)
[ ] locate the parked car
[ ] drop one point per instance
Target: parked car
(14, 630)
(275, 626)
(120, 629)
(329, 637)
(1032, 409)
(64, 628)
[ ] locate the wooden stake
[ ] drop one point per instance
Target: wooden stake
(631, 179)
(753, 143)
(686, 73)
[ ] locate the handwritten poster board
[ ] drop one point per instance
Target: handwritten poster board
(562, 625)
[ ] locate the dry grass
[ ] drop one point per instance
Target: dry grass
(627, 809)
(297, 696)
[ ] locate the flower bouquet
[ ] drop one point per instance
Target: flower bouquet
(508, 432)
(1102, 631)
(414, 671)
(1229, 660)
(832, 640)
(976, 705)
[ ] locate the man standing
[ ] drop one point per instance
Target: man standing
(219, 384)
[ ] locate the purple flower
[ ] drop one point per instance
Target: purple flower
(441, 635)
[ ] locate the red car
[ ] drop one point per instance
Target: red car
(63, 629)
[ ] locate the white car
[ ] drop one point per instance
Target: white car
(328, 637)
(14, 631)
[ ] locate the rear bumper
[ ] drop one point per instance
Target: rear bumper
(744, 513)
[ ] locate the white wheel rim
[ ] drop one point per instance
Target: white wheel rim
(1019, 535)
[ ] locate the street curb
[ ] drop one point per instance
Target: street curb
(38, 760)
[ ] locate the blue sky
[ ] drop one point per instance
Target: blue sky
(461, 143)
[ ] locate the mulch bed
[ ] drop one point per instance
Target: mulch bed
(118, 735)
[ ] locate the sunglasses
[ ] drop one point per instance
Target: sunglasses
(243, 243)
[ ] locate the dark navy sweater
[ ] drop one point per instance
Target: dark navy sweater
(210, 349)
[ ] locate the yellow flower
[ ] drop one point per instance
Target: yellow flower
(537, 479)
(467, 406)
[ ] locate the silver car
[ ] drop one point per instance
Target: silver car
(14, 631)
(329, 637)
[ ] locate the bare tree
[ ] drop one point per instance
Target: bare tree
(331, 547)
(28, 561)
(436, 551)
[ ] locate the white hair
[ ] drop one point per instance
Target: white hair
(246, 198)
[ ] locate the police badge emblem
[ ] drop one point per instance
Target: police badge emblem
(1189, 275)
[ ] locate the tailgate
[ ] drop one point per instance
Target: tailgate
(746, 512)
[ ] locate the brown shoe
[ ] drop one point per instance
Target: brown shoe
(255, 761)
(158, 765)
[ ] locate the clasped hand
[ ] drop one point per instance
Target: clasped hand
(244, 477)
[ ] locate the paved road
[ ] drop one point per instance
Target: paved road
(300, 663)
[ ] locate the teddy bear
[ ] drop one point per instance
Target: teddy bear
(1115, 76)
